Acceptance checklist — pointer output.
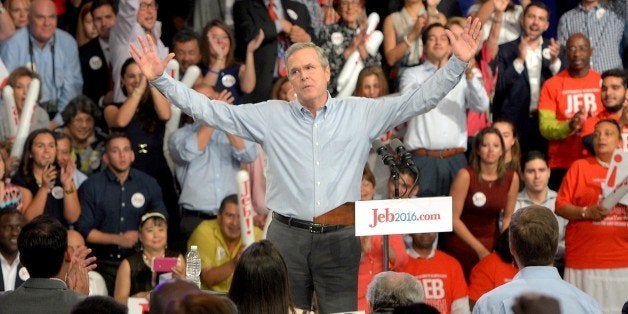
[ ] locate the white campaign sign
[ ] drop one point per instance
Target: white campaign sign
(614, 187)
(403, 216)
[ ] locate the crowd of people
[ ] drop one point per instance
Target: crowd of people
(513, 108)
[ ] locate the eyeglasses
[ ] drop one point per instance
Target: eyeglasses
(146, 6)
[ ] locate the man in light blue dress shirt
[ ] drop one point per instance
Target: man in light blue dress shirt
(533, 244)
(49, 52)
(316, 147)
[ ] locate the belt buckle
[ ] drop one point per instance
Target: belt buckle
(441, 153)
(316, 231)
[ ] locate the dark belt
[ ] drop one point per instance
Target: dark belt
(441, 153)
(199, 214)
(304, 224)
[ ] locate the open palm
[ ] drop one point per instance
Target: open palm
(147, 59)
(466, 45)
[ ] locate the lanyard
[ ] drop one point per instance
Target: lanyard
(52, 103)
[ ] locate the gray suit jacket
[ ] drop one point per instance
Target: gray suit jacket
(40, 295)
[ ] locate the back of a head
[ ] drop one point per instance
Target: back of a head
(534, 236)
(532, 303)
(390, 289)
(99, 305)
(168, 292)
(201, 303)
(42, 244)
(261, 264)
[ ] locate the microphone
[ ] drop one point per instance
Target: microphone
(387, 158)
(403, 154)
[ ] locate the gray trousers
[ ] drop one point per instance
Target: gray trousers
(437, 174)
(325, 264)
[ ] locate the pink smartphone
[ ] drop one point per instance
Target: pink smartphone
(164, 264)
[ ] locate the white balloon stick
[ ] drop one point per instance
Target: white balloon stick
(191, 75)
(11, 109)
(371, 22)
(25, 118)
(245, 208)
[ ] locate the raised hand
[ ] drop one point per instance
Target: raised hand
(77, 277)
(466, 45)
(147, 59)
(255, 42)
(554, 47)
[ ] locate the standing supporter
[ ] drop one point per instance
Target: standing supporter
(135, 18)
(18, 11)
(402, 30)
(440, 274)
(311, 137)
(567, 100)
(524, 64)
(205, 11)
(493, 271)
(536, 174)
(614, 97)
(481, 192)
(371, 258)
(533, 239)
(512, 156)
(596, 239)
(64, 157)
(88, 140)
(289, 23)
(142, 117)
(46, 188)
(113, 201)
(95, 55)
(85, 29)
(220, 245)
(10, 195)
(223, 73)
(20, 80)
(206, 162)
(13, 274)
(508, 19)
(340, 40)
(51, 53)
(438, 139)
(601, 25)
(186, 45)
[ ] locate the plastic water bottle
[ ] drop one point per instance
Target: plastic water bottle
(193, 266)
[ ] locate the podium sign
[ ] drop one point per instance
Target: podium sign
(403, 216)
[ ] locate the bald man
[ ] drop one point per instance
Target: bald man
(97, 284)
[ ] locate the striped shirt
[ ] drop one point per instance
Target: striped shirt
(603, 28)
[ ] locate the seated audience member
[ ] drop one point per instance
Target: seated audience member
(614, 98)
(18, 10)
(10, 195)
(88, 140)
(13, 274)
(390, 289)
(136, 276)
(113, 202)
(20, 79)
(219, 245)
(64, 158)
(43, 244)
(533, 241)
(85, 29)
(168, 293)
(492, 271)
(420, 307)
(371, 261)
(99, 305)
(258, 265)
(186, 45)
(536, 174)
(97, 285)
(201, 303)
(441, 275)
(46, 188)
(596, 239)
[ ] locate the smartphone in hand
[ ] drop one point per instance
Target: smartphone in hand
(164, 264)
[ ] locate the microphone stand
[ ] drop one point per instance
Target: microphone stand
(395, 176)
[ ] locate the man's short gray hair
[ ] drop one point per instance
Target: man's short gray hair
(390, 289)
(322, 57)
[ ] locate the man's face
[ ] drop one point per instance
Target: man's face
(535, 22)
(118, 155)
(81, 127)
(578, 52)
(104, 19)
(187, 53)
(10, 227)
(437, 46)
(423, 240)
(536, 175)
(42, 20)
(308, 77)
(75, 241)
(147, 14)
(613, 93)
(64, 152)
(229, 221)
